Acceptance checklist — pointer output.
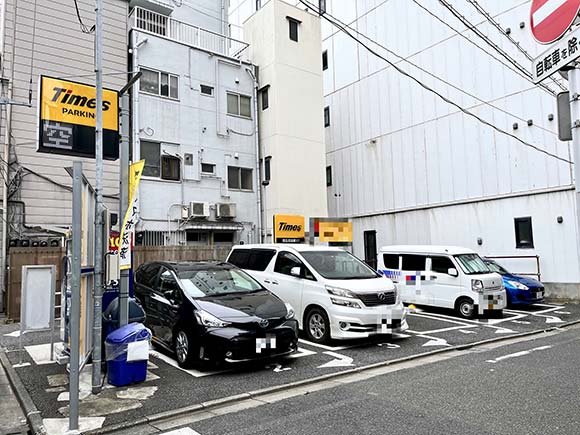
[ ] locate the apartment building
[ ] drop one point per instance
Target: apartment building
(195, 125)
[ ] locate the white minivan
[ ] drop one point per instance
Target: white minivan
(443, 276)
(334, 294)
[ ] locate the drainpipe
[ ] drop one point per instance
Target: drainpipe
(7, 132)
(258, 155)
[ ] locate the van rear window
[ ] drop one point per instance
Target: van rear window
(391, 261)
(252, 259)
(415, 263)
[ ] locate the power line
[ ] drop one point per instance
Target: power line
(436, 77)
(518, 72)
(84, 27)
(501, 30)
(485, 39)
(325, 15)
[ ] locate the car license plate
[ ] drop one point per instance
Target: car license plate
(265, 343)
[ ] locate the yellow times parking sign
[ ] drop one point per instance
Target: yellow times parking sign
(67, 112)
(288, 228)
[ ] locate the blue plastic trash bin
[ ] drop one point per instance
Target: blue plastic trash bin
(127, 351)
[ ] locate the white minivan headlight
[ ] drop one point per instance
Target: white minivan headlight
(289, 311)
(477, 285)
(340, 292)
(518, 285)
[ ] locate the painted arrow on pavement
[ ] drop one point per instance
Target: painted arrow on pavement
(553, 319)
(434, 341)
(340, 361)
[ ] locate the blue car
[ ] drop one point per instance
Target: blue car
(520, 290)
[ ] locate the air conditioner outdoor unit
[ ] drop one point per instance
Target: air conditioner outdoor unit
(226, 210)
(199, 209)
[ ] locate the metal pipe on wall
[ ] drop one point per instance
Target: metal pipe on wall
(258, 156)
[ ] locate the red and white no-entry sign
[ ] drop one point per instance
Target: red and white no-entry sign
(550, 19)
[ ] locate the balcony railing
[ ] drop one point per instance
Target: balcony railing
(169, 28)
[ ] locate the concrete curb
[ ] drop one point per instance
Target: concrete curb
(33, 416)
(208, 406)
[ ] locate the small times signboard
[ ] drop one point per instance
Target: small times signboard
(557, 56)
(289, 229)
(67, 119)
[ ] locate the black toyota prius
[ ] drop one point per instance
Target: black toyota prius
(213, 312)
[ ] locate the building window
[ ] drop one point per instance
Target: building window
(170, 168)
(293, 26)
(223, 237)
(208, 168)
(239, 178)
(328, 176)
(206, 90)
(524, 233)
(327, 116)
(196, 237)
(325, 60)
(258, 4)
(150, 152)
(322, 6)
(267, 168)
(158, 166)
(265, 100)
(159, 83)
(239, 105)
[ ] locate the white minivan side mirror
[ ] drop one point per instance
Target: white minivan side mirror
(453, 272)
(296, 271)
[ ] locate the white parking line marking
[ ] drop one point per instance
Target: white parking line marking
(340, 361)
(521, 322)
(172, 362)
(467, 332)
(302, 352)
(182, 431)
(562, 312)
(517, 354)
(434, 317)
(323, 346)
(553, 319)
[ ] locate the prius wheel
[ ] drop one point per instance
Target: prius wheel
(182, 346)
(465, 308)
(317, 326)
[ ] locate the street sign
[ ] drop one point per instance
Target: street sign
(67, 119)
(550, 19)
(557, 56)
(288, 228)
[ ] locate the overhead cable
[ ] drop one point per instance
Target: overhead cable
(334, 22)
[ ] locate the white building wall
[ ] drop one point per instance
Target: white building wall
(395, 147)
(291, 128)
(199, 125)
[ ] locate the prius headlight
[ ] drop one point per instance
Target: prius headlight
(518, 285)
(289, 311)
(209, 320)
(336, 291)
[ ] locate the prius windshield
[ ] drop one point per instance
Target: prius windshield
(472, 264)
(216, 282)
(338, 265)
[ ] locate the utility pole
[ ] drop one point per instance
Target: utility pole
(574, 86)
(124, 190)
(98, 290)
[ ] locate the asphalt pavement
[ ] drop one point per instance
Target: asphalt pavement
(172, 388)
(527, 387)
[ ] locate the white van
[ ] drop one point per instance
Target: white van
(334, 294)
(443, 276)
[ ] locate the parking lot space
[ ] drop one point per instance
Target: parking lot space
(428, 330)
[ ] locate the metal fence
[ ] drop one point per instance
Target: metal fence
(167, 27)
(535, 259)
